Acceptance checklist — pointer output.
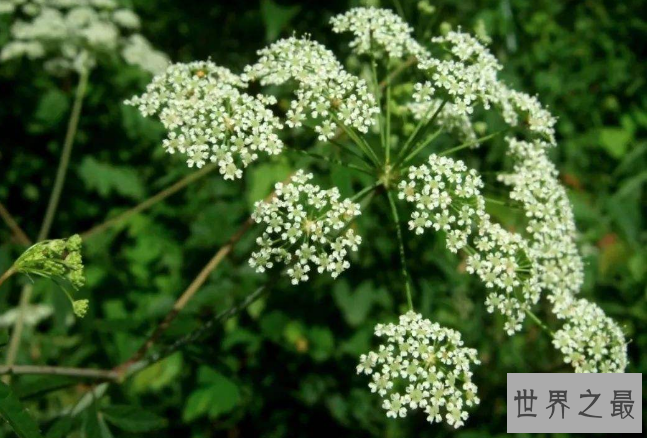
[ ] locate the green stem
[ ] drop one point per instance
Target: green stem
(334, 161)
(538, 321)
(364, 191)
(361, 144)
(388, 122)
(423, 122)
(403, 260)
(65, 155)
(8, 273)
(422, 145)
(471, 143)
(61, 172)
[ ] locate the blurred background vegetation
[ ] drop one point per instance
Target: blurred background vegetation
(286, 367)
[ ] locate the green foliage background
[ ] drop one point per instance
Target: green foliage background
(286, 366)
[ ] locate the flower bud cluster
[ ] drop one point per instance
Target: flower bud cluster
(209, 118)
(325, 91)
(74, 34)
(306, 228)
(421, 365)
(58, 260)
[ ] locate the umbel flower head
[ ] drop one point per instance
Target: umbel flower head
(447, 197)
(306, 228)
(74, 34)
(378, 32)
(465, 74)
(209, 118)
(551, 226)
(325, 91)
(59, 260)
(591, 341)
(421, 365)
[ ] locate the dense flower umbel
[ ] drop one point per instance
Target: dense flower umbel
(306, 227)
(465, 78)
(73, 34)
(209, 118)
(467, 74)
(551, 226)
(503, 262)
(325, 92)
(378, 32)
(421, 365)
(591, 341)
(59, 260)
(447, 197)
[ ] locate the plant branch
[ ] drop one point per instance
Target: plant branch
(21, 236)
(401, 68)
(198, 333)
(335, 161)
(160, 196)
(8, 273)
(59, 371)
(182, 301)
(472, 143)
(423, 122)
(538, 321)
(403, 260)
(61, 172)
(64, 162)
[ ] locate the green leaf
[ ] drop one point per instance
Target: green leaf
(615, 140)
(354, 305)
(14, 412)
(158, 375)
(42, 385)
(218, 395)
(108, 178)
(91, 427)
(276, 18)
(262, 179)
(61, 428)
(322, 343)
(196, 405)
(132, 418)
(52, 108)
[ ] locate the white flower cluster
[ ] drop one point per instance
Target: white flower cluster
(446, 196)
(422, 365)
(325, 92)
(306, 227)
(209, 118)
(551, 226)
(465, 78)
(591, 341)
(378, 32)
(73, 34)
(503, 262)
(468, 75)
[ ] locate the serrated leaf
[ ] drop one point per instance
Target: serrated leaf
(132, 418)
(14, 412)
